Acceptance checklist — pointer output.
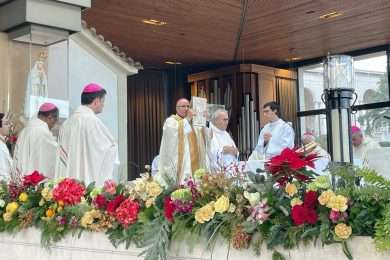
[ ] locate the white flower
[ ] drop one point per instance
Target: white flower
(253, 198)
(2, 203)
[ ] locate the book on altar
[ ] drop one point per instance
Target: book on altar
(200, 105)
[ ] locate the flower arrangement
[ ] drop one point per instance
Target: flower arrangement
(283, 206)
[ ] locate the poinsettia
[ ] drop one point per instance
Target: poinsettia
(33, 179)
(290, 164)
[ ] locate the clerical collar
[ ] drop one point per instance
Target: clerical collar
(275, 122)
(212, 126)
(180, 116)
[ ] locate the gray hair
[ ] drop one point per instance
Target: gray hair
(308, 138)
(216, 114)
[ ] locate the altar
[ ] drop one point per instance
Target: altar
(95, 246)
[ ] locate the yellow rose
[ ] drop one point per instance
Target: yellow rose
(23, 197)
(153, 189)
(295, 201)
(325, 197)
(204, 214)
(12, 207)
(222, 204)
(149, 202)
(337, 203)
(343, 231)
(7, 216)
(291, 189)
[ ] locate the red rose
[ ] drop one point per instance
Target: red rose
(310, 201)
(100, 201)
(298, 215)
(14, 138)
(311, 215)
(169, 208)
(33, 179)
(114, 204)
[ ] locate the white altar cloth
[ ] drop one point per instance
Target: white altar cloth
(95, 246)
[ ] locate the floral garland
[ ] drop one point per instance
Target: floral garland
(287, 207)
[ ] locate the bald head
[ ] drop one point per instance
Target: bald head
(307, 139)
(220, 119)
(182, 107)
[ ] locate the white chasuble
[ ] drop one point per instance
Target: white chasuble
(35, 149)
(216, 157)
(179, 150)
(86, 149)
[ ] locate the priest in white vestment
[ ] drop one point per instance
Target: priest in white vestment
(311, 147)
(182, 149)
(222, 151)
(87, 150)
(5, 158)
(36, 147)
(361, 145)
(275, 136)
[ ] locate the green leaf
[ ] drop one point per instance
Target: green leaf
(277, 256)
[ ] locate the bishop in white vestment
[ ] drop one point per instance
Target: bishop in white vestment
(222, 149)
(36, 147)
(87, 150)
(275, 136)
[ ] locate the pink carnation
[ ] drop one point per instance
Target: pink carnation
(127, 212)
(68, 191)
(110, 187)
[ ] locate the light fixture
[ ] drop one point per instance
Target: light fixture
(172, 62)
(154, 22)
(338, 90)
(293, 59)
(32, 21)
(329, 15)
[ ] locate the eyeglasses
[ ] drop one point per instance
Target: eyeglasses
(266, 111)
(188, 106)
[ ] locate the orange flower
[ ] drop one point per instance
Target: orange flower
(49, 213)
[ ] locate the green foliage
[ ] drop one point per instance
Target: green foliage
(130, 235)
(277, 256)
(371, 177)
(382, 230)
(156, 237)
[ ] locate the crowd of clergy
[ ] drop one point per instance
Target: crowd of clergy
(87, 151)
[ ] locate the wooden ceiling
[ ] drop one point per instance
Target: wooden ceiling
(208, 32)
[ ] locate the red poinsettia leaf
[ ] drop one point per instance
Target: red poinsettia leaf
(297, 163)
(33, 179)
